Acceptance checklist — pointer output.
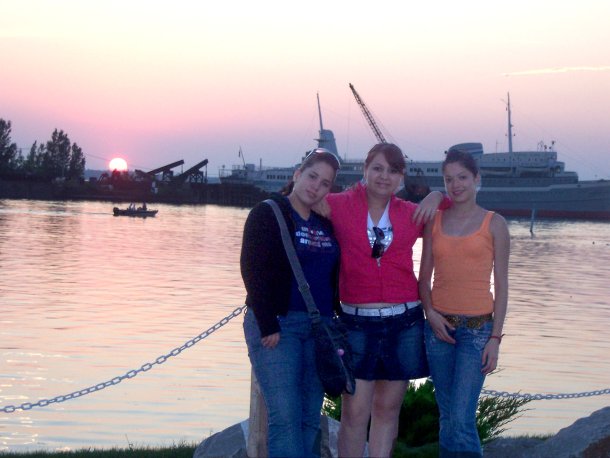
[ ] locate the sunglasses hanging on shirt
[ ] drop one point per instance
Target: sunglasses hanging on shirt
(378, 246)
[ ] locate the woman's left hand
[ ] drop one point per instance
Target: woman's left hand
(490, 356)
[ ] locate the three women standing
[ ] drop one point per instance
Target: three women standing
(380, 302)
(277, 326)
(463, 245)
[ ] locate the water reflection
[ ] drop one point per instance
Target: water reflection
(87, 296)
(558, 315)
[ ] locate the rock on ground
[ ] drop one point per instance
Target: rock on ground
(228, 443)
(587, 438)
(232, 442)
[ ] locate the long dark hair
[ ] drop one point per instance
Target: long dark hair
(312, 158)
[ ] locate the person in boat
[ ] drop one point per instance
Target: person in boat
(463, 332)
(277, 327)
(379, 298)
(132, 207)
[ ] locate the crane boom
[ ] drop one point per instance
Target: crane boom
(368, 116)
(192, 171)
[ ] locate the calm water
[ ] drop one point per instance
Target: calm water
(85, 297)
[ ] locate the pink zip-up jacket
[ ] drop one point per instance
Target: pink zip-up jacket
(361, 279)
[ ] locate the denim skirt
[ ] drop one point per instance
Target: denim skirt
(388, 348)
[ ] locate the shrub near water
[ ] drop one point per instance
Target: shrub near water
(419, 416)
(494, 413)
(419, 419)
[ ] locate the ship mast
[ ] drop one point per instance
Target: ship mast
(510, 126)
(327, 138)
(319, 111)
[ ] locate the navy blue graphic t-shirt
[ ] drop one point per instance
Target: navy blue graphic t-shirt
(318, 253)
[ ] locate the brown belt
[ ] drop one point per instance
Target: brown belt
(472, 322)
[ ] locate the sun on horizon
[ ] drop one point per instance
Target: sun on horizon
(118, 163)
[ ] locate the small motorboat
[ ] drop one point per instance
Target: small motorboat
(133, 211)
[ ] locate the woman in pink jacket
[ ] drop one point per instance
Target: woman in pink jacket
(379, 298)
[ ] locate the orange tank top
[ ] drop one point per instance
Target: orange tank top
(462, 270)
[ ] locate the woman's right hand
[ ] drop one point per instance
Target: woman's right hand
(426, 209)
(271, 340)
(440, 326)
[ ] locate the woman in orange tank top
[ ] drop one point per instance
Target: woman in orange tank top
(464, 321)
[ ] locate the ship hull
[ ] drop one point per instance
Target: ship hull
(510, 197)
(582, 200)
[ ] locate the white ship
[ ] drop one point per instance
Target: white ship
(514, 183)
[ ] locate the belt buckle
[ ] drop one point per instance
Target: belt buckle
(477, 322)
(386, 311)
(474, 322)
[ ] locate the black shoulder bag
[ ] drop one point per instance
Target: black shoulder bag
(333, 353)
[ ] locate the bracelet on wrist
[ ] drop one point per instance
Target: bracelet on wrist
(499, 338)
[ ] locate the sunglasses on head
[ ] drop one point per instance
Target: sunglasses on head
(323, 152)
(378, 247)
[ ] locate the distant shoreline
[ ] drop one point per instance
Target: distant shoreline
(188, 193)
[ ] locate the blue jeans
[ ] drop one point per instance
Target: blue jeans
(290, 385)
(456, 374)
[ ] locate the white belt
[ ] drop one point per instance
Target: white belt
(381, 312)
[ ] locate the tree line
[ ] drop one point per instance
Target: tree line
(57, 158)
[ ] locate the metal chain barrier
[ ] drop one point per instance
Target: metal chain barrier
(540, 397)
(128, 375)
(176, 351)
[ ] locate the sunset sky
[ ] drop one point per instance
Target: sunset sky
(158, 81)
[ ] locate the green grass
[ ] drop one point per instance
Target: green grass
(176, 451)
(427, 451)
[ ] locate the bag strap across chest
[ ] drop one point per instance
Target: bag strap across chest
(297, 270)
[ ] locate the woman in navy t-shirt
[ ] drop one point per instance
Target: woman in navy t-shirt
(277, 326)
